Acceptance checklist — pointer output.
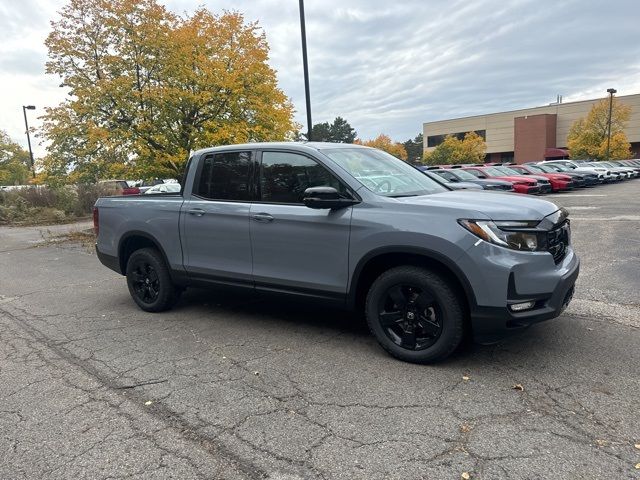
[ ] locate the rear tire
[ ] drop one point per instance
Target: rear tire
(415, 314)
(149, 281)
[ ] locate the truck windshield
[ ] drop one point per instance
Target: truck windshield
(382, 173)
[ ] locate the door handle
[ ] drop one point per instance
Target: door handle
(196, 211)
(262, 217)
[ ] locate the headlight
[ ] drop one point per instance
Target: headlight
(505, 234)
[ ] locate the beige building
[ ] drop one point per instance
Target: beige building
(530, 134)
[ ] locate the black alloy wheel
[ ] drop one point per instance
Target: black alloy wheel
(416, 314)
(145, 281)
(149, 281)
(410, 317)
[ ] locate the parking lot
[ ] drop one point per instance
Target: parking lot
(232, 387)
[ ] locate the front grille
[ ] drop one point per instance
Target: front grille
(558, 241)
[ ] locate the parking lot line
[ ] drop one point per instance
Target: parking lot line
(578, 195)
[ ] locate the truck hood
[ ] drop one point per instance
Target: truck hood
(484, 204)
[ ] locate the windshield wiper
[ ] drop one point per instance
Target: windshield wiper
(403, 195)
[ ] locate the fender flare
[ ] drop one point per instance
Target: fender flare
(423, 252)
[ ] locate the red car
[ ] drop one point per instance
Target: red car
(559, 182)
(520, 184)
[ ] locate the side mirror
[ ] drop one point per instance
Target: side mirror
(325, 197)
(454, 179)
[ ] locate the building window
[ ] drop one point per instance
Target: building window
(506, 157)
(435, 140)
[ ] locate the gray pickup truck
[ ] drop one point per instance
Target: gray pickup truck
(350, 225)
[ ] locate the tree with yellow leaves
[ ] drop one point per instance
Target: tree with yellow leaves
(384, 142)
(14, 162)
(471, 149)
(147, 87)
(588, 136)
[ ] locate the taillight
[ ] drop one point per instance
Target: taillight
(96, 221)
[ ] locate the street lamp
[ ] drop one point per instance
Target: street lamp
(610, 91)
(305, 67)
(26, 124)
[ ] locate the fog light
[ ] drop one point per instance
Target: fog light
(519, 307)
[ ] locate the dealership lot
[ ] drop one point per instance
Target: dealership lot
(231, 387)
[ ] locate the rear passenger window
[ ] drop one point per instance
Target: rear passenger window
(285, 176)
(225, 176)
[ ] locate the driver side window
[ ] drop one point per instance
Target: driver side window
(284, 177)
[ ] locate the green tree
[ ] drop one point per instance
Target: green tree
(414, 148)
(588, 136)
(147, 87)
(471, 149)
(14, 162)
(342, 132)
(338, 132)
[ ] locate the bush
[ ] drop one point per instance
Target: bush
(41, 205)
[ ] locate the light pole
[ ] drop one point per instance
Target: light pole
(305, 67)
(26, 124)
(611, 91)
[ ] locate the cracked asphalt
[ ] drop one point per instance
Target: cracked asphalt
(228, 387)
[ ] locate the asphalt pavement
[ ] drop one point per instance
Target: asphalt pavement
(227, 387)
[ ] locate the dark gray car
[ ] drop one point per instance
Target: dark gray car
(350, 225)
(458, 175)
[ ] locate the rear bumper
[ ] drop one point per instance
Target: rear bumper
(109, 261)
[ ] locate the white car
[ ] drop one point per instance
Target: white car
(629, 172)
(603, 173)
(163, 188)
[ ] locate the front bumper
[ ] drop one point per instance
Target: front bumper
(545, 188)
(491, 324)
(499, 277)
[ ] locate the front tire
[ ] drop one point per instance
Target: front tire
(415, 314)
(149, 281)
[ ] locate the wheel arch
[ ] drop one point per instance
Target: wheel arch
(379, 260)
(135, 240)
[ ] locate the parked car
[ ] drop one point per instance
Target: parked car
(118, 187)
(350, 225)
(543, 183)
(602, 172)
(629, 172)
(580, 179)
(453, 185)
(635, 164)
(557, 181)
(458, 175)
(163, 188)
(147, 184)
(521, 184)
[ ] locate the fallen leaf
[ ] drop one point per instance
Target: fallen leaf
(637, 445)
(637, 466)
(148, 402)
(256, 373)
(601, 443)
(465, 476)
(518, 387)
(465, 378)
(465, 428)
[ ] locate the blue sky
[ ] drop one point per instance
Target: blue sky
(388, 66)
